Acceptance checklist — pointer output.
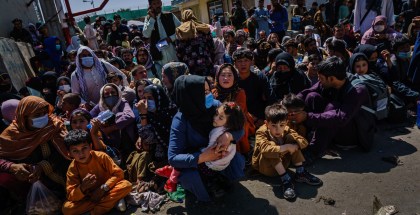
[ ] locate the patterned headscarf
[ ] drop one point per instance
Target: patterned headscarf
(97, 68)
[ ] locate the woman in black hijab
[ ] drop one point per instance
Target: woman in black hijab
(190, 132)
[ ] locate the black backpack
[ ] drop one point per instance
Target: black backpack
(378, 94)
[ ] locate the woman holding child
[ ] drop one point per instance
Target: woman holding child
(190, 132)
(34, 142)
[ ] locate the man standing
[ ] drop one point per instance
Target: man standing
(365, 12)
(238, 16)
(90, 34)
(262, 15)
(19, 34)
(160, 29)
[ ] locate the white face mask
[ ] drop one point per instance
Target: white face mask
(40, 122)
(66, 88)
(379, 28)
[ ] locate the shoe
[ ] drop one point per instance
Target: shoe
(121, 206)
(289, 190)
(308, 178)
(170, 186)
(164, 171)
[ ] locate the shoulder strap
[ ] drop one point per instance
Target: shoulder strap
(367, 12)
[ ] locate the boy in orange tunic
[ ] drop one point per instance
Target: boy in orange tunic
(95, 183)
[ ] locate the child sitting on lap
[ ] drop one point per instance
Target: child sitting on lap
(276, 145)
(94, 182)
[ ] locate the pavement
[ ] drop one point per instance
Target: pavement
(350, 182)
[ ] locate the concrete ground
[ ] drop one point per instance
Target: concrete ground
(351, 180)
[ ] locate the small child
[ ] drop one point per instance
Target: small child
(125, 43)
(276, 146)
(69, 103)
(228, 117)
(294, 106)
(95, 183)
(81, 119)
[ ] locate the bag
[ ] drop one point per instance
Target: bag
(42, 201)
(397, 109)
(378, 94)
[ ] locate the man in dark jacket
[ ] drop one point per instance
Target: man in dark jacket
(19, 34)
(334, 110)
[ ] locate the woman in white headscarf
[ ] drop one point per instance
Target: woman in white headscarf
(75, 44)
(90, 76)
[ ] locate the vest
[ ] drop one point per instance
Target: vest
(169, 26)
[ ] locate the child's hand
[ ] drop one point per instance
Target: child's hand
(96, 124)
(292, 148)
(88, 182)
(97, 195)
(209, 154)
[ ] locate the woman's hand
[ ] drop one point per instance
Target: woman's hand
(223, 142)
(210, 154)
(142, 106)
(21, 171)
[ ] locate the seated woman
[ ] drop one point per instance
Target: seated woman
(119, 132)
(34, 144)
(190, 131)
(379, 32)
(227, 90)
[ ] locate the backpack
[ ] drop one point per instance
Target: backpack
(378, 94)
(365, 120)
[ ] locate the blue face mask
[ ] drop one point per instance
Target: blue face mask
(87, 61)
(209, 100)
(111, 101)
(40, 122)
(58, 47)
(404, 55)
(151, 106)
(89, 126)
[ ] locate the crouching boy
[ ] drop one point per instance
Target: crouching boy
(276, 146)
(95, 183)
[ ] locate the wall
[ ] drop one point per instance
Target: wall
(11, 9)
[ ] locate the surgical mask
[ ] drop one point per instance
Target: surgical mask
(404, 55)
(111, 101)
(66, 88)
(151, 105)
(40, 122)
(57, 47)
(87, 61)
(103, 22)
(379, 28)
(89, 126)
(209, 100)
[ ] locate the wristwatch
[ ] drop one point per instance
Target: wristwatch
(105, 187)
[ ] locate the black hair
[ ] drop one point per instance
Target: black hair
(116, 16)
(399, 41)
(275, 113)
(125, 51)
(314, 57)
(333, 66)
(242, 53)
(292, 101)
(76, 137)
(81, 112)
(272, 54)
(292, 43)
(251, 43)
(86, 19)
(314, 3)
(251, 12)
(230, 33)
(113, 74)
(308, 40)
(73, 99)
(235, 118)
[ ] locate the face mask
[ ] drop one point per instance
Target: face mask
(57, 47)
(103, 22)
(111, 101)
(87, 61)
(379, 28)
(66, 88)
(404, 55)
(209, 100)
(89, 126)
(151, 106)
(40, 122)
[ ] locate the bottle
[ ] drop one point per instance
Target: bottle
(418, 114)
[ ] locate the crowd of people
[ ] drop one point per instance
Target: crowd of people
(120, 115)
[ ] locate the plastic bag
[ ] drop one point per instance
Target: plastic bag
(42, 201)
